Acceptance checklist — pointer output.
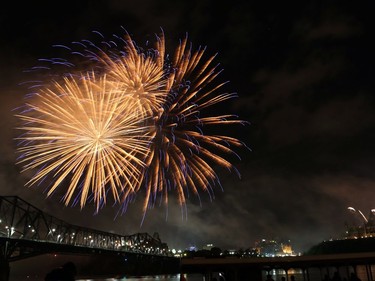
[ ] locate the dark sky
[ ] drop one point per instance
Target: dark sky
(304, 76)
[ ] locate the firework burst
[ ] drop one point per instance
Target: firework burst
(138, 76)
(140, 124)
(182, 157)
(81, 132)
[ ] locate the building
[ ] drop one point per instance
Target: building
(274, 248)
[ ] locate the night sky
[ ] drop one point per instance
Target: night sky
(304, 76)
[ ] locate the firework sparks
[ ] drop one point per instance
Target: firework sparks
(139, 124)
(138, 76)
(84, 132)
(181, 156)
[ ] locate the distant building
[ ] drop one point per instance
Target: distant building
(208, 247)
(286, 248)
(232, 252)
(274, 248)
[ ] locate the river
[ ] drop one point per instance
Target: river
(314, 275)
(188, 277)
(35, 268)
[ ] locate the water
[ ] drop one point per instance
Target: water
(316, 274)
(35, 268)
(188, 277)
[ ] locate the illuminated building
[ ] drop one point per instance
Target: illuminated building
(274, 248)
(208, 247)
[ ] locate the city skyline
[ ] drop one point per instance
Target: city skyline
(303, 75)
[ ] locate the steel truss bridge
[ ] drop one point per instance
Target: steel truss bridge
(26, 231)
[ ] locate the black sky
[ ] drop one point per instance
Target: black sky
(303, 73)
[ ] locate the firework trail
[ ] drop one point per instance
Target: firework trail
(140, 124)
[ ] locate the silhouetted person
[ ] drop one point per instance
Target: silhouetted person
(269, 277)
(292, 278)
(65, 273)
(282, 278)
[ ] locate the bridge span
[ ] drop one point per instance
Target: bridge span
(26, 231)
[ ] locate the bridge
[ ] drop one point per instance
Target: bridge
(26, 231)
